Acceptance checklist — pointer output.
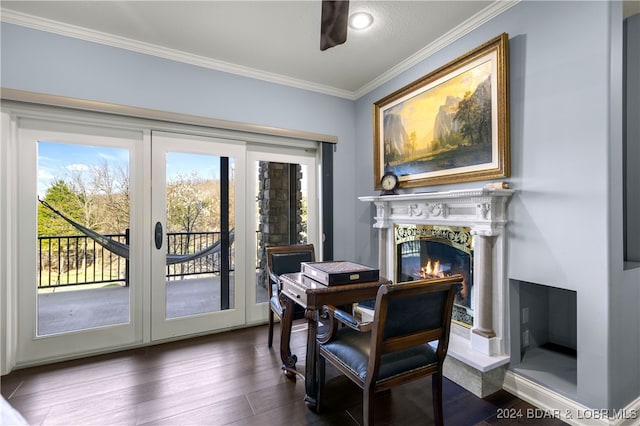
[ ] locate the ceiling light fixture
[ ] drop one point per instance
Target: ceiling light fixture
(360, 20)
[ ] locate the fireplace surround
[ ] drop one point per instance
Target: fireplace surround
(423, 251)
(478, 349)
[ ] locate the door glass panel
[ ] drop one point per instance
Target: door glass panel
(281, 213)
(83, 237)
(199, 234)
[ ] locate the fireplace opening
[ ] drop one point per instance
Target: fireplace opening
(424, 251)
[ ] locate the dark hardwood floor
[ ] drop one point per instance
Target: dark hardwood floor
(225, 379)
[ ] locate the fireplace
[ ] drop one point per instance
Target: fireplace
(424, 251)
(462, 231)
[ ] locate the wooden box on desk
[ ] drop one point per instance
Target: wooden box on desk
(339, 272)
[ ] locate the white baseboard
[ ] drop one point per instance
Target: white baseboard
(552, 404)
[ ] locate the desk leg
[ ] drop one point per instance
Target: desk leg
(288, 359)
(311, 373)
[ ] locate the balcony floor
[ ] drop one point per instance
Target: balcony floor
(73, 310)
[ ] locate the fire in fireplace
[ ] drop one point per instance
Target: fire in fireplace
(424, 251)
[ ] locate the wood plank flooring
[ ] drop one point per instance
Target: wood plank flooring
(229, 378)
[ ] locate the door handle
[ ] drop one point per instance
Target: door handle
(158, 235)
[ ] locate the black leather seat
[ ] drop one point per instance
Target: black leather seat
(284, 260)
(394, 348)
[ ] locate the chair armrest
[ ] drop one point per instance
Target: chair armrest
(345, 318)
(274, 278)
(335, 316)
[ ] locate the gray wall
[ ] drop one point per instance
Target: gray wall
(552, 315)
(562, 318)
(566, 159)
(632, 136)
(624, 285)
(535, 298)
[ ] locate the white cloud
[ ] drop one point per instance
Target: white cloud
(77, 167)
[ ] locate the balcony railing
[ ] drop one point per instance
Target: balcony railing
(78, 260)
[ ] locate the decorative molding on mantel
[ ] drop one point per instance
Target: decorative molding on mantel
(484, 210)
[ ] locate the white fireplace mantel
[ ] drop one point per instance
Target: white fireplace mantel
(484, 211)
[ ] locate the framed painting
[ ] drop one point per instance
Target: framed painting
(450, 126)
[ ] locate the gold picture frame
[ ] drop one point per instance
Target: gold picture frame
(450, 126)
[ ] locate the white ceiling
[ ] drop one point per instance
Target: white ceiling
(276, 41)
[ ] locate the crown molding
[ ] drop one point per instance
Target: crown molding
(81, 33)
(68, 30)
(485, 15)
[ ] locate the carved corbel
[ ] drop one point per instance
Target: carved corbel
(483, 210)
(382, 215)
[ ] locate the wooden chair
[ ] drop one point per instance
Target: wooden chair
(394, 348)
(284, 260)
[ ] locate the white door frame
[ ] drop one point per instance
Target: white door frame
(163, 142)
(31, 347)
(19, 216)
(257, 312)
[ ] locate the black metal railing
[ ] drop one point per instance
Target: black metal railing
(192, 242)
(78, 260)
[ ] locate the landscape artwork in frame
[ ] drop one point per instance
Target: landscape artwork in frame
(449, 126)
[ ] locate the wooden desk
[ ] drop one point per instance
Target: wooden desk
(310, 294)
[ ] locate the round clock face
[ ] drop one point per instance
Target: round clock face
(389, 182)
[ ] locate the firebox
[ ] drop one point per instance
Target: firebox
(423, 251)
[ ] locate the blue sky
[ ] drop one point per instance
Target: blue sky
(207, 166)
(60, 160)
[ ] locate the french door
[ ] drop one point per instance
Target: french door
(74, 295)
(198, 198)
(126, 237)
(129, 236)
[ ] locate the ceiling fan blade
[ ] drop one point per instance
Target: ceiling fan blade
(335, 17)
